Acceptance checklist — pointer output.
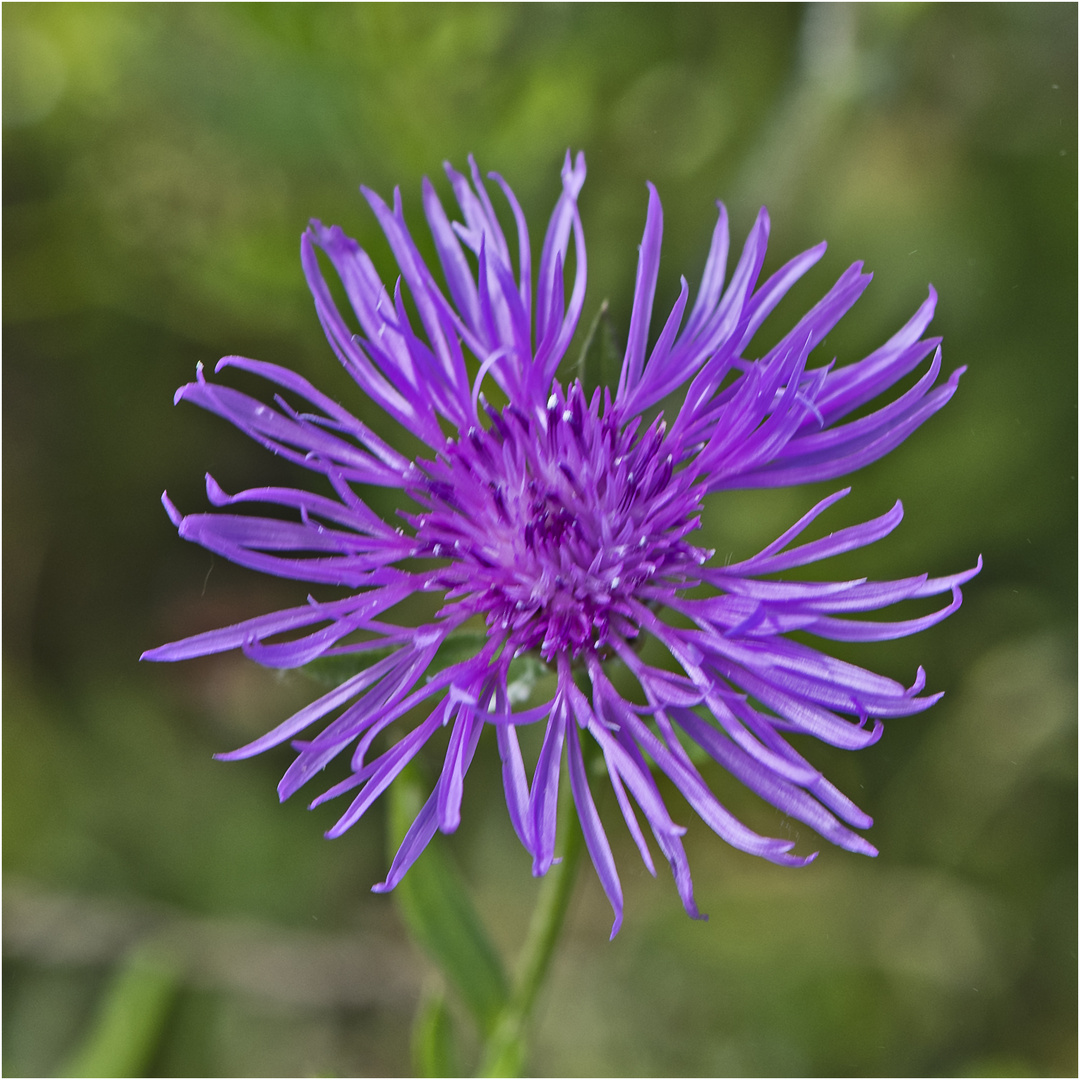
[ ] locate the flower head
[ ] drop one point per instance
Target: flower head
(564, 524)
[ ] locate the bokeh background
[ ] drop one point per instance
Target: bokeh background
(159, 164)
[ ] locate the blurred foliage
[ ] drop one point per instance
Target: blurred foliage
(159, 164)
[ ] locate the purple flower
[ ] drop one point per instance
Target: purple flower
(563, 526)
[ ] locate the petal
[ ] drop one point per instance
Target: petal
(595, 838)
(644, 291)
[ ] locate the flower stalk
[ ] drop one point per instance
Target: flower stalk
(505, 1049)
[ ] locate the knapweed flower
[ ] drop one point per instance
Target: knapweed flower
(563, 524)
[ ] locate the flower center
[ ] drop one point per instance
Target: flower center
(556, 524)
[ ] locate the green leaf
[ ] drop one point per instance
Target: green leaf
(600, 359)
(458, 646)
(437, 909)
(524, 673)
(333, 670)
(433, 1047)
(128, 1026)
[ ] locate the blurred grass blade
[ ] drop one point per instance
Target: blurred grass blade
(128, 1026)
(433, 1048)
(600, 360)
(437, 909)
(508, 1057)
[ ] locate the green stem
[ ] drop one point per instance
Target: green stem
(504, 1052)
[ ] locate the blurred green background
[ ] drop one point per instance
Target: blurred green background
(160, 162)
